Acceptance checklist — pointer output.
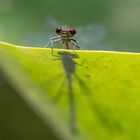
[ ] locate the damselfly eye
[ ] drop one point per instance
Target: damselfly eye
(72, 31)
(58, 30)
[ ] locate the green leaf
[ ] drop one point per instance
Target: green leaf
(77, 94)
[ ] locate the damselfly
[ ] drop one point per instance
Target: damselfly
(66, 36)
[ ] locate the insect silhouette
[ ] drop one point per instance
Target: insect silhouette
(66, 36)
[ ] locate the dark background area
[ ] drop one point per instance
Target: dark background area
(17, 120)
(101, 25)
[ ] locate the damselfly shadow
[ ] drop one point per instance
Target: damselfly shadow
(70, 65)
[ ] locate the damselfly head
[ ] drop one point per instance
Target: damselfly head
(65, 31)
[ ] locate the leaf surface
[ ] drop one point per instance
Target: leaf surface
(79, 94)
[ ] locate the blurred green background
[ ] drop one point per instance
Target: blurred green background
(101, 25)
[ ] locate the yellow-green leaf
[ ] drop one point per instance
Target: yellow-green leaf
(81, 95)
